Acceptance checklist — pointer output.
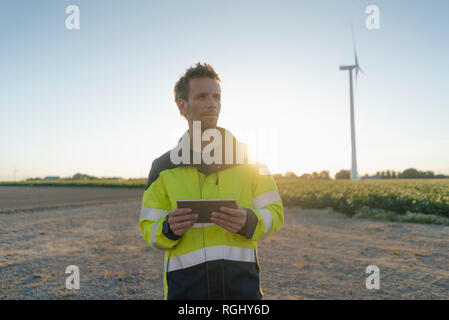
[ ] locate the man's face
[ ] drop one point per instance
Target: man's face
(203, 103)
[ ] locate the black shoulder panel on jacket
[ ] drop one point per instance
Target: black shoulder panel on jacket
(160, 164)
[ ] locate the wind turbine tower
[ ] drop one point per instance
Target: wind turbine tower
(350, 68)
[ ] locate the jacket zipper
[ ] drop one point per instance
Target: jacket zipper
(204, 242)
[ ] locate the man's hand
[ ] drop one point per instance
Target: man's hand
(180, 220)
(230, 219)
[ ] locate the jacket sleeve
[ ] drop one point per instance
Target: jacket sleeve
(154, 213)
(267, 213)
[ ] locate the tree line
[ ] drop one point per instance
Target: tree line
(75, 177)
(343, 174)
(323, 175)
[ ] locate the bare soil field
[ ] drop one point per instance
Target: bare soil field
(19, 199)
(318, 254)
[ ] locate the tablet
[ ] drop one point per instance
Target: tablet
(204, 207)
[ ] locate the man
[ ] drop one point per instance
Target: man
(208, 260)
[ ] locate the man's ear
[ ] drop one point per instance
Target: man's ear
(182, 106)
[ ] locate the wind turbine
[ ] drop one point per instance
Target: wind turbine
(356, 67)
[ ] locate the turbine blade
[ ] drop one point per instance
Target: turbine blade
(357, 67)
(361, 70)
(354, 46)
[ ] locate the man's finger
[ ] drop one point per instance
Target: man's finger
(181, 230)
(231, 211)
(182, 225)
(184, 217)
(226, 217)
(179, 211)
(224, 224)
(220, 223)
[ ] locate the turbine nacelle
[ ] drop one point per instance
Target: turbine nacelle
(348, 67)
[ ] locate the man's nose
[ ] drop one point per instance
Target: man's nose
(212, 104)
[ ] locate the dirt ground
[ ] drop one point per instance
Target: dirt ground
(318, 254)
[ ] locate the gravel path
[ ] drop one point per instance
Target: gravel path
(318, 254)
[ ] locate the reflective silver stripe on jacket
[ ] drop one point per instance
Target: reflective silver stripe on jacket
(268, 218)
(211, 253)
(152, 214)
(262, 201)
(265, 199)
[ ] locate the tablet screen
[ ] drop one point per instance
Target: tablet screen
(204, 207)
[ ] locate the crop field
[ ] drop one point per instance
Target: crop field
(419, 201)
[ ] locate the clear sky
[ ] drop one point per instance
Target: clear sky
(99, 100)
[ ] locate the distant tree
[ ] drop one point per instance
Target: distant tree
(277, 176)
(343, 174)
(80, 176)
(34, 179)
(429, 174)
(290, 175)
(324, 175)
(410, 173)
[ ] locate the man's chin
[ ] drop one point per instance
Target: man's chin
(208, 124)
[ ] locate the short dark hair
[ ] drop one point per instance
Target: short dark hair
(200, 70)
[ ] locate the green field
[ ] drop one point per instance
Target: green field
(420, 200)
(406, 200)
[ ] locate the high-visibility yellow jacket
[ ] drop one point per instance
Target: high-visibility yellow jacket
(207, 261)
